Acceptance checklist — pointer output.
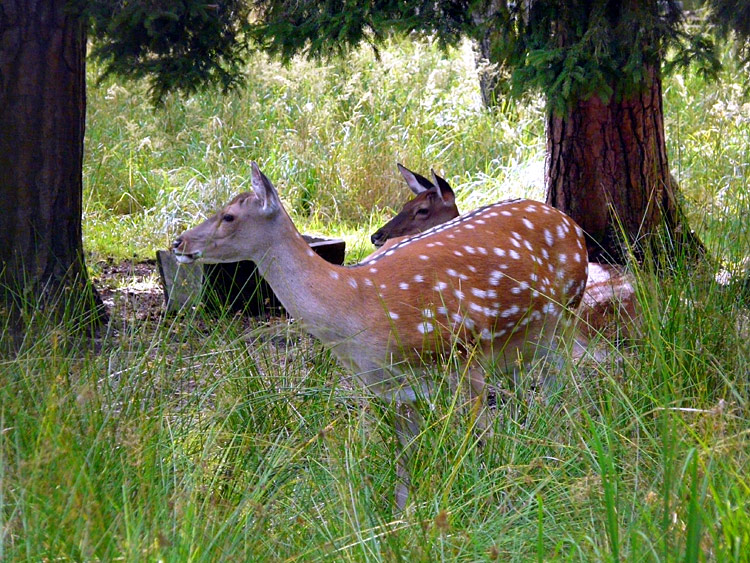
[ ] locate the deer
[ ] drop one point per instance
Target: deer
(609, 296)
(433, 204)
(493, 285)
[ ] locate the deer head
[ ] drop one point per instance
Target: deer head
(435, 203)
(243, 229)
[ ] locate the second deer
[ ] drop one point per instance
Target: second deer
(609, 306)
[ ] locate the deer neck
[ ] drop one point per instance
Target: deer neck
(303, 282)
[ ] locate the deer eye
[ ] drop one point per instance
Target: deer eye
(228, 217)
(423, 211)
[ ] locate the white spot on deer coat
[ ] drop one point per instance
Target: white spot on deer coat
(478, 293)
(514, 254)
(510, 312)
(393, 315)
(528, 224)
(403, 285)
(548, 238)
(353, 283)
(499, 251)
(425, 327)
(440, 286)
(333, 274)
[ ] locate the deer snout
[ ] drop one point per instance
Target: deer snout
(177, 243)
(378, 238)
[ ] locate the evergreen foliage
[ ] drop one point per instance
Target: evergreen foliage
(733, 16)
(568, 50)
(177, 46)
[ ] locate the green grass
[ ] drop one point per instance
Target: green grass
(190, 438)
(328, 136)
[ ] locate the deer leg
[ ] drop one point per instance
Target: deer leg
(478, 398)
(407, 422)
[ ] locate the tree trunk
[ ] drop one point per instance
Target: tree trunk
(42, 117)
(607, 168)
(492, 81)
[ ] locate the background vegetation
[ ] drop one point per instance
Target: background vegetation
(181, 438)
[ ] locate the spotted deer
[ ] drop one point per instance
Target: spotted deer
(609, 307)
(492, 284)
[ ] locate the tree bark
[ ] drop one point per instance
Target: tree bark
(607, 168)
(42, 118)
(492, 87)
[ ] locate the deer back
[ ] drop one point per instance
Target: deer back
(494, 276)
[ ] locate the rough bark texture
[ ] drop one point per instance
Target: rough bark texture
(486, 72)
(42, 113)
(607, 168)
(490, 85)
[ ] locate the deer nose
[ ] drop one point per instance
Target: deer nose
(377, 238)
(176, 244)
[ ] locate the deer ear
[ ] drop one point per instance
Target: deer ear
(416, 182)
(444, 189)
(264, 190)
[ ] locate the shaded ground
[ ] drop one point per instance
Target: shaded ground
(131, 291)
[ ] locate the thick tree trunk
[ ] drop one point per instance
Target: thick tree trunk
(42, 113)
(607, 168)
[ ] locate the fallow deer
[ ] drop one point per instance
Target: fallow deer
(609, 306)
(433, 204)
(495, 282)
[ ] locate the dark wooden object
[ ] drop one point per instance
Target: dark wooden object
(234, 286)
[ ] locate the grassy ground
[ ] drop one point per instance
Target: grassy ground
(188, 438)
